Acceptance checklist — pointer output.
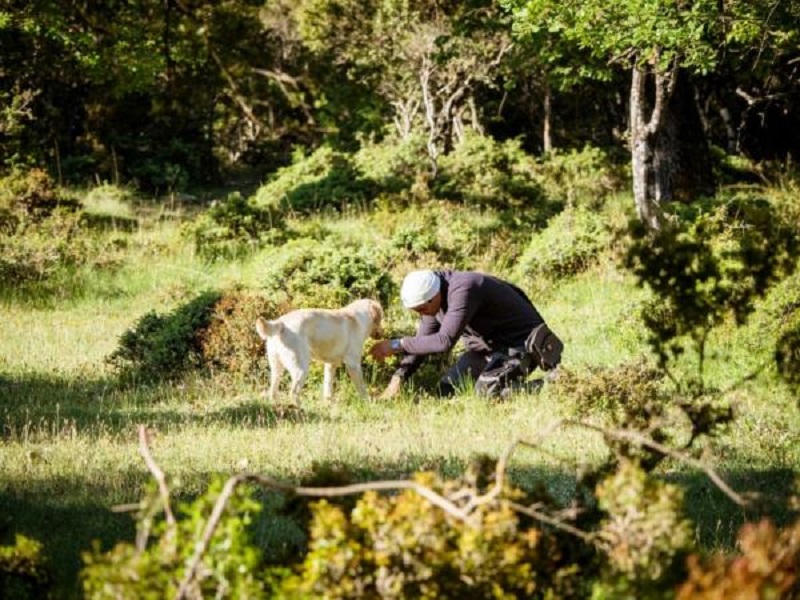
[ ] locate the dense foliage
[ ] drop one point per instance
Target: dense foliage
(24, 573)
(319, 150)
(173, 94)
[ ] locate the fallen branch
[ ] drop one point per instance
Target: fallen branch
(641, 440)
(460, 513)
(158, 474)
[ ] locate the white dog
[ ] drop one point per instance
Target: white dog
(331, 336)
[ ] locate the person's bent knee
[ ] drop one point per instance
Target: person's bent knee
(445, 389)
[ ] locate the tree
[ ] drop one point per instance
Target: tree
(425, 59)
(663, 44)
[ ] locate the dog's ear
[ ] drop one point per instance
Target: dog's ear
(267, 328)
(376, 315)
(376, 311)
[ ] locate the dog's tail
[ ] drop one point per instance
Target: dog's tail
(266, 328)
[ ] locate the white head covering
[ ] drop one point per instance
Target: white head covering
(419, 287)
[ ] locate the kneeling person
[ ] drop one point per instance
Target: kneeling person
(492, 316)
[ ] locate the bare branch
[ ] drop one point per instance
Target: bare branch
(158, 474)
(642, 440)
(236, 94)
(557, 523)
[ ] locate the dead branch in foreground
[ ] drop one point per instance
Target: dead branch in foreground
(461, 506)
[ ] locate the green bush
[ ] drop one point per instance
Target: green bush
(446, 235)
(308, 274)
(24, 573)
(164, 346)
(233, 227)
(579, 177)
(229, 568)
(485, 172)
(324, 179)
(709, 264)
(571, 243)
(787, 357)
(393, 165)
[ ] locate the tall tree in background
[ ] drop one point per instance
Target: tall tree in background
(555, 63)
(425, 59)
(656, 40)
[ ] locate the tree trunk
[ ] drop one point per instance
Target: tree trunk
(670, 158)
(681, 156)
(641, 153)
(547, 138)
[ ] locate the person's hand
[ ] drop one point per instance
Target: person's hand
(392, 389)
(382, 350)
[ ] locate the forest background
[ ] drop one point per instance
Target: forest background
(171, 169)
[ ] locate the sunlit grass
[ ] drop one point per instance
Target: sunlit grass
(68, 445)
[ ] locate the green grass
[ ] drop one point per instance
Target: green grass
(68, 445)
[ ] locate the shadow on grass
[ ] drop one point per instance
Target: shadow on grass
(38, 404)
(718, 519)
(66, 527)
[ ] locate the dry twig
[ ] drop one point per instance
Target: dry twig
(448, 505)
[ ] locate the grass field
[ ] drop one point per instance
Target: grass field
(68, 445)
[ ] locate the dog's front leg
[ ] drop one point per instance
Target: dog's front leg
(354, 370)
(327, 382)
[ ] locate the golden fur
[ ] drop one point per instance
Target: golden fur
(333, 336)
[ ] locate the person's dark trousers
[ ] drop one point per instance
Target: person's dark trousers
(467, 368)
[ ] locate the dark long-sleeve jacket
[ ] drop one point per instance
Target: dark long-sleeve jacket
(489, 313)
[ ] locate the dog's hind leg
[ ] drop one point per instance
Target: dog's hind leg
(298, 379)
(354, 370)
(327, 381)
(275, 372)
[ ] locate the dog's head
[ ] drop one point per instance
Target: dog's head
(376, 315)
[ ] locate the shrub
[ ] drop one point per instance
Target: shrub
(345, 274)
(578, 177)
(164, 346)
(766, 567)
(708, 266)
(24, 573)
(571, 242)
(630, 397)
(644, 534)
(787, 357)
(155, 569)
(28, 197)
(483, 171)
(53, 246)
(401, 547)
(233, 227)
(446, 235)
(307, 275)
(393, 166)
(230, 342)
(325, 178)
